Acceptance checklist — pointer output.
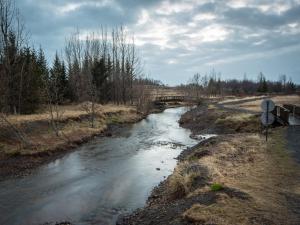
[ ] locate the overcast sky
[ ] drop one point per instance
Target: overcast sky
(179, 38)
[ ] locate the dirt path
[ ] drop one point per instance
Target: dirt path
(228, 105)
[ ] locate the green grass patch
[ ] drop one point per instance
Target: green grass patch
(114, 119)
(216, 187)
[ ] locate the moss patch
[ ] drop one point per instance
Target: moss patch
(216, 187)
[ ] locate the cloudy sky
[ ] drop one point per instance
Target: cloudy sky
(179, 38)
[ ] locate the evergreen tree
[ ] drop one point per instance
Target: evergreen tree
(11, 60)
(76, 83)
(42, 64)
(58, 81)
(31, 81)
(290, 87)
(43, 71)
(262, 84)
(100, 75)
(108, 87)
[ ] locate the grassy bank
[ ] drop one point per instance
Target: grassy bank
(209, 119)
(234, 178)
(257, 179)
(74, 129)
(74, 126)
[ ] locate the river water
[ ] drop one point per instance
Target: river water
(100, 180)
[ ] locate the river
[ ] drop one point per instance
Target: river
(100, 180)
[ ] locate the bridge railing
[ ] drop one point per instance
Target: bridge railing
(282, 113)
(174, 98)
(294, 109)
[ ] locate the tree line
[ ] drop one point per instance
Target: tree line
(97, 67)
(212, 85)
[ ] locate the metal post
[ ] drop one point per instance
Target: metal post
(267, 120)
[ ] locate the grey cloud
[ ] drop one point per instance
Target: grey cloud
(252, 17)
(250, 32)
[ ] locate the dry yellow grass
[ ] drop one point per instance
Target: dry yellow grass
(242, 117)
(264, 173)
(211, 107)
(182, 179)
(227, 211)
(239, 122)
(74, 123)
(69, 111)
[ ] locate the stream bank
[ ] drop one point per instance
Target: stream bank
(16, 161)
(228, 179)
(75, 128)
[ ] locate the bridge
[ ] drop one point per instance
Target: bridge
(175, 98)
(287, 114)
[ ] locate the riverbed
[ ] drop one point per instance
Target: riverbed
(100, 180)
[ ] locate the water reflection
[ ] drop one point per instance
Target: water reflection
(102, 179)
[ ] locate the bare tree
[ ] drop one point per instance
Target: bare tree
(196, 86)
(143, 99)
(12, 38)
(283, 80)
(53, 96)
(118, 65)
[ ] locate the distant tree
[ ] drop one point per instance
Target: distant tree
(233, 86)
(283, 80)
(275, 86)
(212, 86)
(262, 84)
(290, 87)
(195, 88)
(219, 86)
(247, 86)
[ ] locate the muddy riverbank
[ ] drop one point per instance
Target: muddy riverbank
(229, 179)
